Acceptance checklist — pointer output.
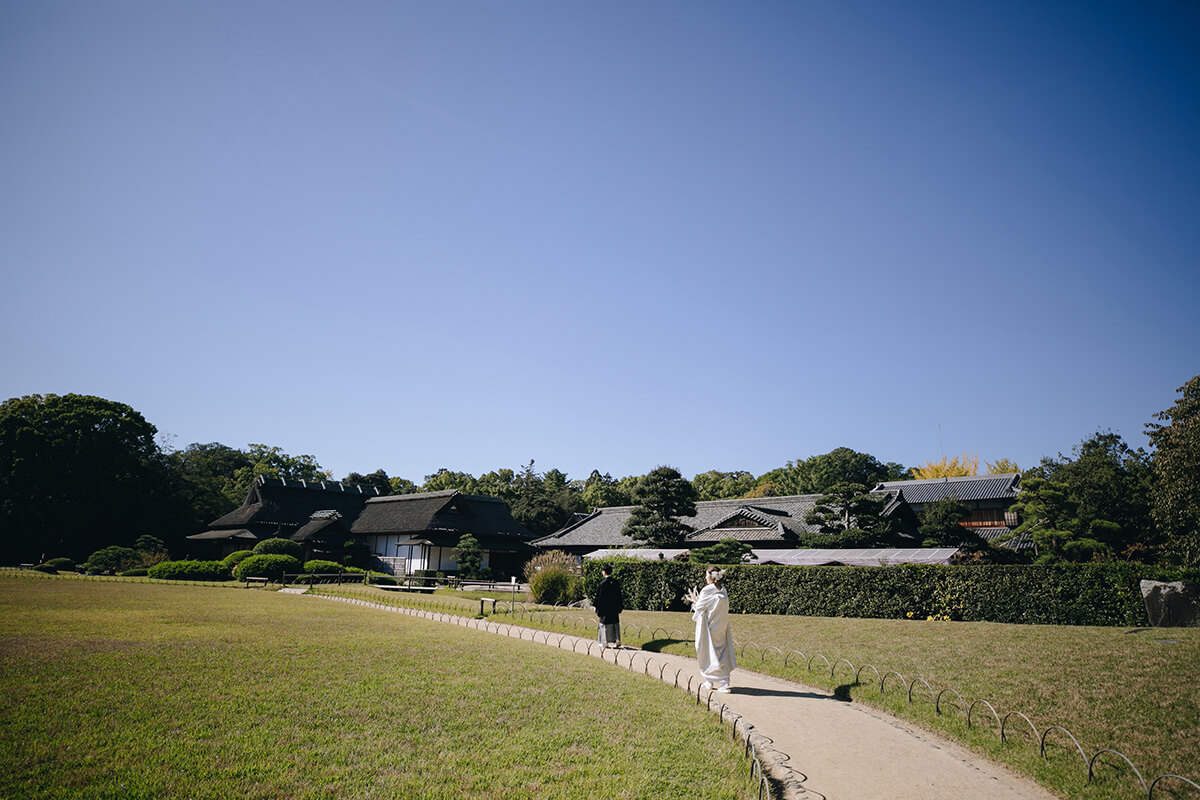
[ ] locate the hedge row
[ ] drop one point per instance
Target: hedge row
(189, 571)
(1098, 593)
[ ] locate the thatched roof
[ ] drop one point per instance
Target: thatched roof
(303, 509)
(441, 518)
(228, 533)
(283, 503)
(322, 523)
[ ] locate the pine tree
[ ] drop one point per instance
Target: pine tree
(661, 496)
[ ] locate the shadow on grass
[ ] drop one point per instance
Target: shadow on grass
(657, 645)
(843, 692)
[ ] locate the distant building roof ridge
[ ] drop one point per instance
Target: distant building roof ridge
(323, 485)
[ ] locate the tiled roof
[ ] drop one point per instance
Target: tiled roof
(974, 487)
(874, 557)
(877, 557)
(777, 518)
(1022, 541)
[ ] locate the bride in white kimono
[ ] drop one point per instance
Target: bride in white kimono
(714, 638)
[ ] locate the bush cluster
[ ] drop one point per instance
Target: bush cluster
(382, 578)
(323, 566)
(1099, 593)
(189, 571)
(268, 565)
(233, 559)
(279, 547)
(553, 585)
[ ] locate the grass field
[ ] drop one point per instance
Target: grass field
(1133, 690)
(143, 690)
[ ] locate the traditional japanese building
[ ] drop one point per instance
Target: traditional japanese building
(988, 498)
(403, 532)
(769, 522)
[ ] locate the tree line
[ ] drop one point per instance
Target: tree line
(78, 473)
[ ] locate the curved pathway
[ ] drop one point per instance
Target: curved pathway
(810, 744)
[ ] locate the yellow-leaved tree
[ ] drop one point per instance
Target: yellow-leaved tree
(1002, 467)
(956, 467)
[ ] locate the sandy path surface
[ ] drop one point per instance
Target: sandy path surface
(816, 746)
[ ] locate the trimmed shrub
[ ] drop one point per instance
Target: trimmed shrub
(268, 565)
(112, 559)
(189, 571)
(555, 586)
(1099, 593)
(137, 572)
(61, 564)
(321, 565)
(46, 568)
(233, 559)
(382, 578)
(279, 547)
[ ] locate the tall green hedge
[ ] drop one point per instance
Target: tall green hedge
(189, 571)
(1099, 593)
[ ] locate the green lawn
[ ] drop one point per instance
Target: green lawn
(1133, 690)
(144, 690)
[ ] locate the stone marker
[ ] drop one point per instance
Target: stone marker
(1172, 605)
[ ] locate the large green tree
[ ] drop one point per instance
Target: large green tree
(379, 479)
(661, 496)
(445, 479)
(603, 491)
(817, 474)
(403, 486)
(714, 485)
(273, 462)
(1094, 504)
(205, 474)
(78, 473)
(1175, 485)
(542, 503)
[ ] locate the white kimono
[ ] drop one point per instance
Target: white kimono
(714, 638)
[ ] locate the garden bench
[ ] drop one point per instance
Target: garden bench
(249, 581)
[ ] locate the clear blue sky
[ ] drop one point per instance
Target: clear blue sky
(414, 235)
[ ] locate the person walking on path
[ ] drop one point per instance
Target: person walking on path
(609, 605)
(714, 637)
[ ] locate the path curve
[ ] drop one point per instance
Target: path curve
(811, 744)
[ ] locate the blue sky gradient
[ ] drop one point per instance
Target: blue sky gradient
(604, 235)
